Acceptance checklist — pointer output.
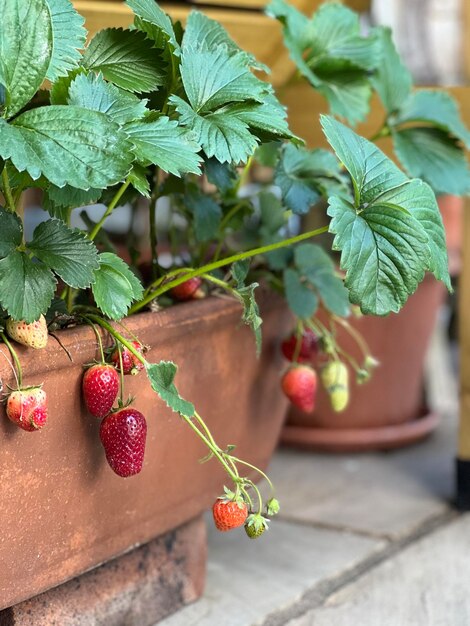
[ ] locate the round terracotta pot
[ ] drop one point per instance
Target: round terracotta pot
(63, 510)
(451, 208)
(388, 411)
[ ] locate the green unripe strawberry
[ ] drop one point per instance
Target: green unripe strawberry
(335, 379)
(255, 525)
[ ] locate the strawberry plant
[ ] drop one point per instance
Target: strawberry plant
(158, 111)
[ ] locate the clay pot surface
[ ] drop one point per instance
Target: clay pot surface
(63, 510)
(394, 395)
(451, 208)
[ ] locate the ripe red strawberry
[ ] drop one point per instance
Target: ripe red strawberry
(33, 335)
(100, 388)
(299, 384)
(130, 363)
(308, 346)
(187, 290)
(27, 408)
(123, 436)
(229, 514)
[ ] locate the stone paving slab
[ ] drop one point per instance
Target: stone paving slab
(247, 580)
(426, 584)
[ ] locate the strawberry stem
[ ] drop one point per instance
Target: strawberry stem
(16, 360)
(209, 267)
(10, 202)
(98, 338)
(112, 205)
(121, 374)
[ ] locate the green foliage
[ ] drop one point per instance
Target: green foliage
(391, 234)
(68, 145)
(25, 50)
(304, 176)
(207, 215)
(330, 52)
(162, 142)
(392, 80)
(115, 287)
(11, 233)
(68, 38)
(26, 288)
(161, 376)
(68, 252)
(125, 58)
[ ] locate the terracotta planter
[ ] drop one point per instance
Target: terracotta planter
(388, 411)
(451, 208)
(64, 511)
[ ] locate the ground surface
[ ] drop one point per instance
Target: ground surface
(362, 540)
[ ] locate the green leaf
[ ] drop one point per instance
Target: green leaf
(68, 145)
(126, 58)
(392, 80)
(317, 267)
(69, 198)
(115, 286)
(268, 120)
(302, 300)
(418, 198)
(151, 20)
(93, 92)
(59, 93)
(11, 232)
(161, 376)
(25, 50)
(391, 234)
(251, 316)
(271, 213)
(301, 175)
(67, 251)
(68, 38)
(207, 215)
(206, 34)
(221, 135)
(229, 108)
(213, 78)
(434, 156)
(437, 108)
(162, 142)
(222, 175)
(330, 52)
(240, 271)
(26, 288)
(138, 179)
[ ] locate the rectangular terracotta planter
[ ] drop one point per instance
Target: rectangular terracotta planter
(63, 511)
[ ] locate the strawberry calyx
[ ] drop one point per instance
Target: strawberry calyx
(256, 525)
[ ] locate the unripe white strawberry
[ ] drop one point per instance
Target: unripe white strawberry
(33, 335)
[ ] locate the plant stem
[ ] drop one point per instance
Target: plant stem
(19, 371)
(153, 226)
(384, 131)
(237, 460)
(7, 191)
(205, 269)
(112, 205)
(223, 225)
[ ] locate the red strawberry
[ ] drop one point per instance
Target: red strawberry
(100, 387)
(187, 290)
(27, 408)
(229, 514)
(299, 384)
(123, 436)
(130, 363)
(33, 335)
(308, 346)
